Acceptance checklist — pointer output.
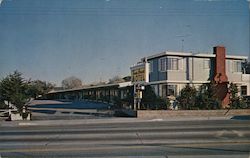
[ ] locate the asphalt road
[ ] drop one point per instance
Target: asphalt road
(143, 139)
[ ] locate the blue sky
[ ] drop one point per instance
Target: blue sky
(98, 39)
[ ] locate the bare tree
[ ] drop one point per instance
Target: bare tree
(71, 82)
(116, 79)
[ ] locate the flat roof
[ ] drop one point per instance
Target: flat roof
(120, 85)
(168, 53)
(205, 55)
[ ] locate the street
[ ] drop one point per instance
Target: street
(133, 139)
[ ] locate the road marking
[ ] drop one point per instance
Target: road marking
(155, 120)
(240, 134)
(220, 133)
(26, 124)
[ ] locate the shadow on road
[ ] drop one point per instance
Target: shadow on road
(246, 117)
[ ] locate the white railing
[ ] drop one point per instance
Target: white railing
(246, 77)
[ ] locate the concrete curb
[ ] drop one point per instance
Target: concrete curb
(102, 121)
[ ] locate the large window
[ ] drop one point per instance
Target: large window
(162, 64)
(173, 63)
(169, 64)
(237, 66)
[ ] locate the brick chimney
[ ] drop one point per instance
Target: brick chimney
(220, 76)
(220, 64)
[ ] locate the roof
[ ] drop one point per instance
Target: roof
(201, 55)
(227, 56)
(169, 54)
(120, 85)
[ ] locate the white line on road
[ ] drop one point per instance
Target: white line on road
(25, 124)
(238, 133)
(156, 120)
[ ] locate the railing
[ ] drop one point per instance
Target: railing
(246, 77)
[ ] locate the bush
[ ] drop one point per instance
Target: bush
(151, 101)
(206, 98)
(236, 102)
(3, 105)
(187, 98)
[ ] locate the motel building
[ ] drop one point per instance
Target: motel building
(169, 72)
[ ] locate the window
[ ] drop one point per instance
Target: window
(243, 90)
(169, 64)
(237, 66)
(151, 66)
(172, 64)
(206, 64)
(162, 64)
(171, 90)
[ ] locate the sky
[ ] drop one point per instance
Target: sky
(96, 40)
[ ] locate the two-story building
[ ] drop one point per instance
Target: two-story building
(169, 72)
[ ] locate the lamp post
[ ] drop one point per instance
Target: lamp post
(138, 89)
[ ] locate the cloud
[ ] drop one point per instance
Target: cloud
(1, 2)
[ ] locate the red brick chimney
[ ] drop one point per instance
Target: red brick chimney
(220, 64)
(220, 76)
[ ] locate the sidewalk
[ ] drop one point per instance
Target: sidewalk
(100, 121)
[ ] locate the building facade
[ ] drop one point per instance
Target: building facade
(169, 72)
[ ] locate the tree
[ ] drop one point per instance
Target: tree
(206, 97)
(235, 101)
(38, 87)
(127, 78)
(116, 79)
(151, 101)
(71, 82)
(14, 90)
(187, 98)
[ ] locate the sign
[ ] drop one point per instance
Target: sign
(140, 73)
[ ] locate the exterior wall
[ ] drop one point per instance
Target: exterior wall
(194, 70)
(246, 82)
(156, 75)
(172, 75)
(160, 89)
(238, 78)
(232, 76)
(178, 75)
(200, 72)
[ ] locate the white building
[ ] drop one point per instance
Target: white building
(169, 72)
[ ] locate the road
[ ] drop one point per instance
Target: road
(133, 139)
